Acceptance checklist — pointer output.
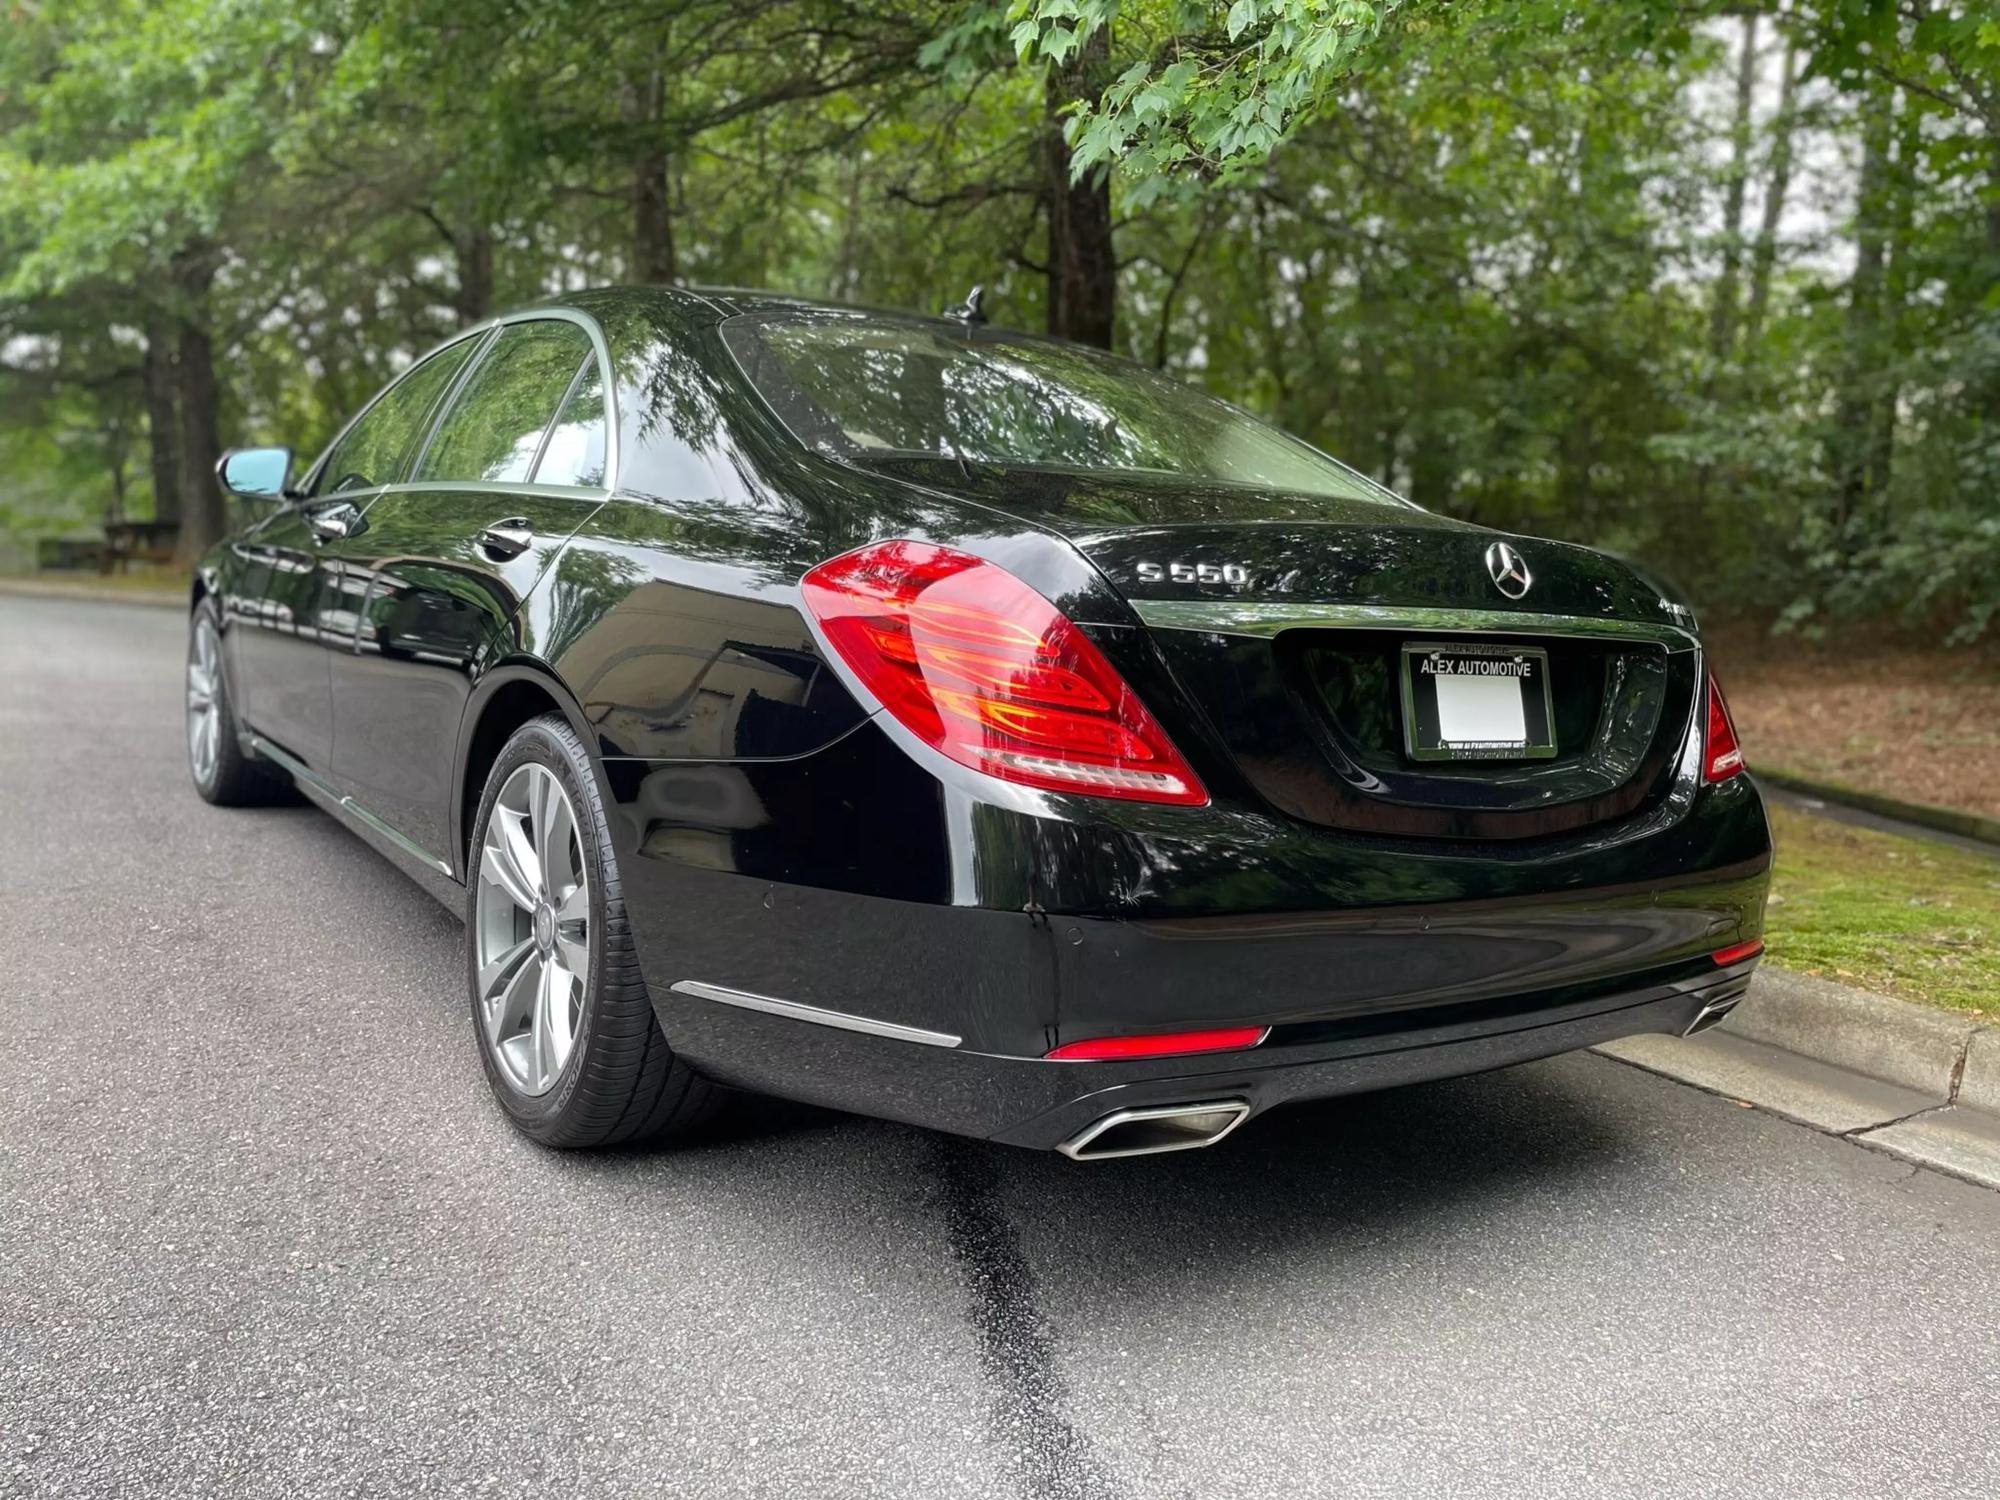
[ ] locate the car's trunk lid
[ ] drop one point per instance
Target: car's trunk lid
(1286, 619)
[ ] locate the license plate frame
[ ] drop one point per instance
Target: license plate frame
(1423, 737)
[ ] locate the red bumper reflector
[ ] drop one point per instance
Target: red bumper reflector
(1161, 1044)
(1736, 954)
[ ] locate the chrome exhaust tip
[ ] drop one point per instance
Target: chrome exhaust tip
(1148, 1132)
(1712, 1014)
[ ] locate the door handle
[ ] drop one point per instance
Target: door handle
(333, 523)
(505, 539)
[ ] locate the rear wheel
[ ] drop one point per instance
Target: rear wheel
(222, 773)
(564, 1024)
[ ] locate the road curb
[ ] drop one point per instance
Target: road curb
(35, 588)
(1979, 1084)
(1920, 1084)
(1967, 825)
(1877, 1036)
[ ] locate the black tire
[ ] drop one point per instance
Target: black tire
(233, 778)
(622, 1083)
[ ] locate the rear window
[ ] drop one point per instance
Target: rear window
(495, 427)
(862, 387)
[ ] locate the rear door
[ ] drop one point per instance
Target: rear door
(516, 464)
(297, 603)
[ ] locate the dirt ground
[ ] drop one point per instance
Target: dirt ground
(1887, 715)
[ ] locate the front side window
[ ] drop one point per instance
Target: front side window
(376, 449)
(868, 387)
(500, 415)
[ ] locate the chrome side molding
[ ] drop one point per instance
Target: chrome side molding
(300, 771)
(792, 1010)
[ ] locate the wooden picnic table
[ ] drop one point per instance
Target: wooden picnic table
(127, 542)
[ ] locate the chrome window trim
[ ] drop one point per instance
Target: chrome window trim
(792, 1010)
(483, 330)
(1270, 617)
(495, 487)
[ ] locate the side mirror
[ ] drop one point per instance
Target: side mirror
(256, 473)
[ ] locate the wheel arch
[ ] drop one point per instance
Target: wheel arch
(506, 697)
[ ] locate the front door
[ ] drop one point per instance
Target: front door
(514, 468)
(286, 615)
(298, 603)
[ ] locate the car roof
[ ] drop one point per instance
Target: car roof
(616, 306)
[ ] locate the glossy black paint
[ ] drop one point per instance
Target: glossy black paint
(1390, 921)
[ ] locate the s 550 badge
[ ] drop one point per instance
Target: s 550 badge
(1233, 574)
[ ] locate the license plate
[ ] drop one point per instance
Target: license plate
(1464, 702)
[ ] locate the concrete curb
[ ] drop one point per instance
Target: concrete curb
(1917, 1083)
(1911, 1046)
(1968, 825)
(1979, 1085)
(35, 588)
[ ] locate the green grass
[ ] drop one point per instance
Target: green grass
(1904, 916)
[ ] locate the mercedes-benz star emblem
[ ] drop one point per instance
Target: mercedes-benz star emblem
(1510, 572)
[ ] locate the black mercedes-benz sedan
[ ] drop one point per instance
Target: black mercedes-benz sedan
(962, 727)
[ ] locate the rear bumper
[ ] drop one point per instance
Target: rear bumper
(1040, 1104)
(852, 882)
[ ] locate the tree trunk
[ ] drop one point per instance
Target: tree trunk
(114, 444)
(1993, 253)
(1722, 318)
(652, 207)
(1899, 220)
(474, 299)
(202, 514)
(1852, 440)
(162, 418)
(1083, 263)
(1765, 259)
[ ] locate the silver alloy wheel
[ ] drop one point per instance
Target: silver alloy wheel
(533, 937)
(204, 705)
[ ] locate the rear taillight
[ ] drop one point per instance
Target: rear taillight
(984, 669)
(1737, 952)
(1722, 755)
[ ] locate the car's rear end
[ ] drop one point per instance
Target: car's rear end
(1233, 797)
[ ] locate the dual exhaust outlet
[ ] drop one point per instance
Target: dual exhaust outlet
(1155, 1129)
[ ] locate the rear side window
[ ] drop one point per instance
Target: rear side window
(376, 449)
(495, 426)
(574, 453)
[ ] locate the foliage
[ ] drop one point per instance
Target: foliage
(1909, 917)
(1510, 256)
(1215, 86)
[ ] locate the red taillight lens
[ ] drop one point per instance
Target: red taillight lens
(1161, 1044)
(1735, 954)
(1722, 754)
(981, 667)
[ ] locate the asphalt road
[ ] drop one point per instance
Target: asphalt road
(263, 1233)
